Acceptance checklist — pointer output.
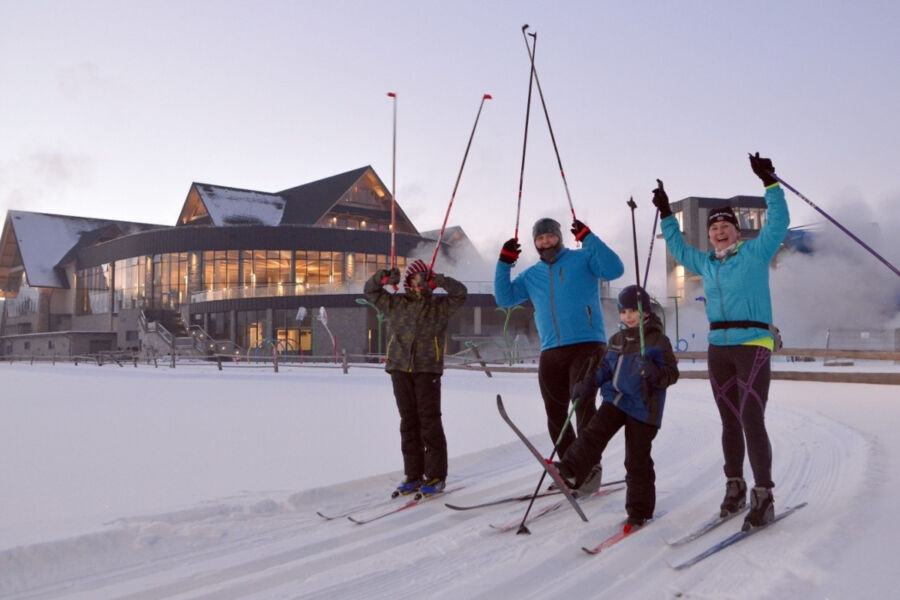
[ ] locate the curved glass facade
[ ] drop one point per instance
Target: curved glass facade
(168, 281)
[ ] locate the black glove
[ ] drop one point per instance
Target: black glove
(651, 373)
(580, 230)
(394, 278)
(511, 251)
(432, 279)
(661, 200)
(586, 388)
(763, 169)
(383, 276)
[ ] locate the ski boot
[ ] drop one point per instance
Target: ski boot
(762, 508)
(565, 474)
(407, 486)
(633, 523)
(735, 496)
(592, 482)
(432, 486)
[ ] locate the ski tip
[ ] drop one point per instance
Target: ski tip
(590, 551)
(671, 566)
(352, 520)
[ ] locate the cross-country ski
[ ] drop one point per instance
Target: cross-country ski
(415, 501)
(625, 530)
(329, 515)
(550, 508)
(560, 484)
(735, 538)
(705, 528)
(520, 498)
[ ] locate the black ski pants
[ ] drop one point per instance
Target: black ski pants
(739, 376)
(640, 476)
(422, 440)
(559, 369)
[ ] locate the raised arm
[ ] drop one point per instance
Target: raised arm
(690, 257)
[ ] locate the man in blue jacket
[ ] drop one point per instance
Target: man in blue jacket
(741, 335)
(564, 289)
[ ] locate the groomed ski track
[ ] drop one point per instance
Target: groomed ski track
(264, 547)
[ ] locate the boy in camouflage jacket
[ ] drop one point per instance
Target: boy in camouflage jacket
(417, 324)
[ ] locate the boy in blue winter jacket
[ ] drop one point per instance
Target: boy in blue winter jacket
(633, 387)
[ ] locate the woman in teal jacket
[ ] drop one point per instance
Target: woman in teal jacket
(741, 337)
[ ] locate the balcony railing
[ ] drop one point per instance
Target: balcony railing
(300, 289)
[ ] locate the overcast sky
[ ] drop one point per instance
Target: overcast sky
(111, 109)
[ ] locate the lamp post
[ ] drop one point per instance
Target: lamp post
(378, 315)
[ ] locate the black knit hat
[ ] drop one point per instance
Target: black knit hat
(546, 225)
(723, 213)
(628, 298)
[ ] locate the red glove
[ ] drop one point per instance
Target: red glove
(580, 230)
(510, 251)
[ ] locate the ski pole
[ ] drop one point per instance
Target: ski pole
(590, 367)
(838, 225)
(652, 239)
(531, 52)
(547, 116)
(394, 189)
(637, 274)
(437, 246)
(537, 490)
(394, 185)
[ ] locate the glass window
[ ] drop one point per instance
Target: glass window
(232, 269)
(130, 283)
(92, 290)
(301, 268)
(209, 270)
(250, 328)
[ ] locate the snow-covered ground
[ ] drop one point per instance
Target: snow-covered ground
(193, 483)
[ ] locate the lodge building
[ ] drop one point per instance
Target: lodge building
(240, 271)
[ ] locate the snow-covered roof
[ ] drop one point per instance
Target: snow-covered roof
(45, 239)
(231, 206)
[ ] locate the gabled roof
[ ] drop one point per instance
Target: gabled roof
(307, 203)
(231, 206)
(45, 240)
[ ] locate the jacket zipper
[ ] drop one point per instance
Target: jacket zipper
(721, 299)
(553, 308)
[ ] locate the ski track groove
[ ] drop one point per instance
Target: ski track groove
(232, 553)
